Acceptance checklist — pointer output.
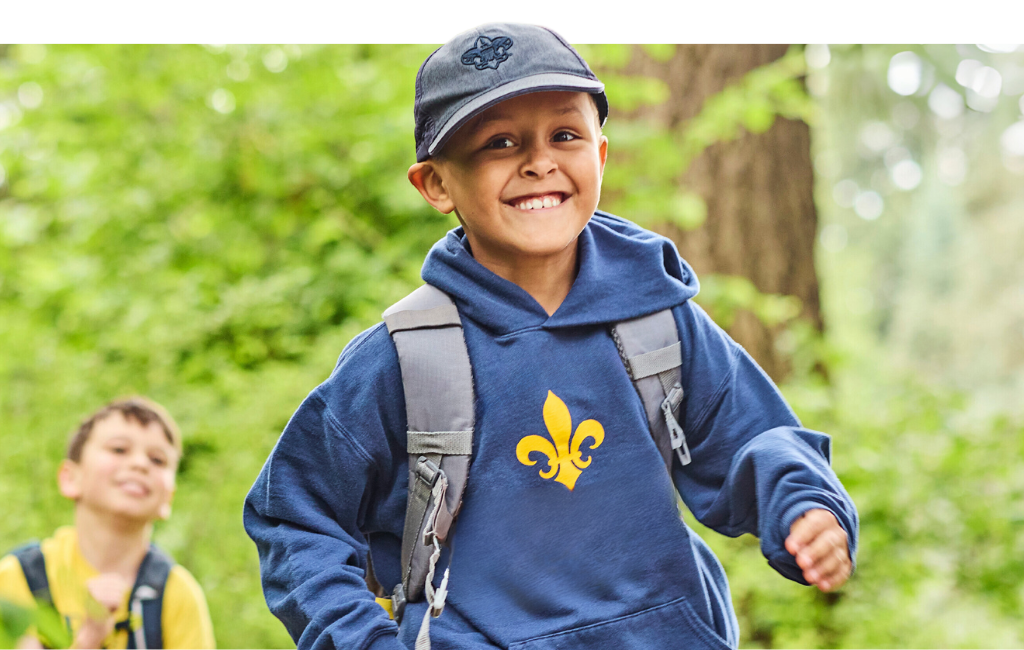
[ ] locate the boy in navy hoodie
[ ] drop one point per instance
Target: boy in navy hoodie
(583, 552)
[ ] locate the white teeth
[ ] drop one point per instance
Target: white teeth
(548, 201)
(133, 487)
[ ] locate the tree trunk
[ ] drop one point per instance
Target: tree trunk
(761, 220)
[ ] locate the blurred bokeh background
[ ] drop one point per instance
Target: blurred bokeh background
(209, 226)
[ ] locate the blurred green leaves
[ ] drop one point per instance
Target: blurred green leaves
(631, 92)
(187, 194)
(752, 105)
(43, 620)
(651, 158)
(724, 295)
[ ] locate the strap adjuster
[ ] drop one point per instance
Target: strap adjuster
(675, 431)
(398, 603)
(427, 471)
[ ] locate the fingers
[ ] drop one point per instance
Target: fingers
(821, 549)
(92, 633)
(826, 562)
(808, 527)
(108, 589)
(29, 642)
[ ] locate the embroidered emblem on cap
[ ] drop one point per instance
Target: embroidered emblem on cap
(488, 52)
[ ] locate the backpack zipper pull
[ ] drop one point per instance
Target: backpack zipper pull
(676, 435)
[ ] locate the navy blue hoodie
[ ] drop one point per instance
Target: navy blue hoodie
(537, 563)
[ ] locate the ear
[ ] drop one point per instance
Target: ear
(602, 152)
(426, 178)
(68, 479)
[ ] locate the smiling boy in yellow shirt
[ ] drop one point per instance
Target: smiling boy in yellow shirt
(112, 587)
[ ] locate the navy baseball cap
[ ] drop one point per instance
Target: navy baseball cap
(487, 65)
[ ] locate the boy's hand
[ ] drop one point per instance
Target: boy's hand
(106, 593)
(819, 544)
(108, 589)
(29, 642)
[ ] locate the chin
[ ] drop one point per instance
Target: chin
(136, 513)
(530, 249)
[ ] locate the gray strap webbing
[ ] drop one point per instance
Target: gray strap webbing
(411, 320)
(440, 442)
(439, 403)
(146, 601)
(33, 565)
(651, 351)
(656, 361)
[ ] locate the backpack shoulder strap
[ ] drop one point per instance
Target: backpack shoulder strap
(439, 404)
(651, 351)
(33, 565)
(146, 600)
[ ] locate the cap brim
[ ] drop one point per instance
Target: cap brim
(531, 84)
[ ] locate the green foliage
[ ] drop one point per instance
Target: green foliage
(43, 620)
(723, 295)
(631, 91)
(941, 521)
(650, 159)
(226, 193)
(752, 105)
(659, 51)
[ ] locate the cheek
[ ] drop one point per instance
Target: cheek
(104, 465)
(167, 482)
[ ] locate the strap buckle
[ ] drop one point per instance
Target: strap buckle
(398, 603)
(427, 471)
(675, 431)
(439, 519)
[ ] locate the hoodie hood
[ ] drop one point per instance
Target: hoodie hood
(624, 272)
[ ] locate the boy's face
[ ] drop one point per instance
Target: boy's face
(524, 176)
(126, 470)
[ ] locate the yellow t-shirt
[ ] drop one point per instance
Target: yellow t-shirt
(185, 617)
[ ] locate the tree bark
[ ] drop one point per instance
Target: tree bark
(761, 220)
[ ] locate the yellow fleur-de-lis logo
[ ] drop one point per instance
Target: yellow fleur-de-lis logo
(564, 456)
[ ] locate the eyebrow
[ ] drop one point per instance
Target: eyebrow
(570, 109)
(486, 119)
(497, 117)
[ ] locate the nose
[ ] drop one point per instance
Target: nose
(140, 461)
(540, 161)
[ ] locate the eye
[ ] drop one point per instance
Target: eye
(158, 461)
(119, 450)
(564, 136)
(499, 143)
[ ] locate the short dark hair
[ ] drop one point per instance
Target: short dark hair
(141, 410)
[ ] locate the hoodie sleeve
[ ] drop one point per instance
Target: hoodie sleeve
(327, 479)
(754, 469)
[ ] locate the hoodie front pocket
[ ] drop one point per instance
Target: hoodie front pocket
(674, 624)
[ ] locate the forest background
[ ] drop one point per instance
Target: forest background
(210, 225)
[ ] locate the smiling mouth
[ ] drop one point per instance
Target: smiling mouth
(539, 201)
(134, 488)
